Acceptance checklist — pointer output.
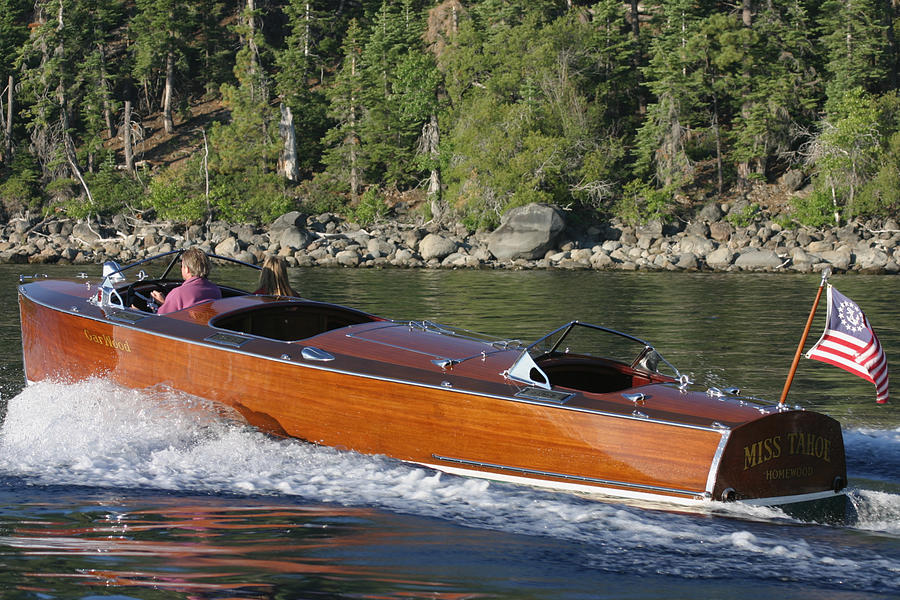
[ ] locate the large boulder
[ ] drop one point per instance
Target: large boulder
(871, 259)
(291, 219)
(436, 246)
(758, 259)
(699, 246)
(720, 258)
(295, 238)
(526, 232)
(229, 247)
(84, 232)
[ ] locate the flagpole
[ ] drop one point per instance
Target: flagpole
(812, 313)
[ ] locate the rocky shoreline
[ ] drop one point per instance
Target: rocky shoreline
(530, 237)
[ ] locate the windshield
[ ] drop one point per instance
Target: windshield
(585, 339)
(160, 266)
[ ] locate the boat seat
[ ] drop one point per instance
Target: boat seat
(291, 322)
(586, 375)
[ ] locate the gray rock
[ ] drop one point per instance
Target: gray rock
(287, 220)
(818, 247)
(711, 212)
(839, 259)
(436, 246)
(696, 245)
(687, 261)
(228, 247)
(697, 228)
(720, 230)
(601, 260)
(652, 228)
(582, 255)
(82, 231)
(526, 232)
(295, 238)
(411, 238)
(348, 258)
(871, 259)
(402, 258)
(791, 180)
(753, 259)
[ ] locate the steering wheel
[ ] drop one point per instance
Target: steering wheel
(147, 299)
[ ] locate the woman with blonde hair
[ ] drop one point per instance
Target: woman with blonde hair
(273, 278)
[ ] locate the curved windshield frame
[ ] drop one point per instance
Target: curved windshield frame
(585, 339)
(159, 266)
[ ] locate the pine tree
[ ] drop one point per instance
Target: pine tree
(387, 137)
(297, 78)
(50, 58)
(854, 37)
(778, 88)
(161, 30)
(342, 157)
(847, 150)
(244, 151)
(663, 137)
(13, 34)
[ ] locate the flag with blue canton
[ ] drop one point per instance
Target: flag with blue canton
(849, 342)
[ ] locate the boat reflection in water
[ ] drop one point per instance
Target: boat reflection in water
(583, 409)
(211, 549)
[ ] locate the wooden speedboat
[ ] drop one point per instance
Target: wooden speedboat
(570, 411)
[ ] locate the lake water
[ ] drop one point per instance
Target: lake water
(107, 492)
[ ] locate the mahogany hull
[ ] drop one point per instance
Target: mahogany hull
(437, 419)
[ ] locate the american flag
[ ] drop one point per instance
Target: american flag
(850, 343)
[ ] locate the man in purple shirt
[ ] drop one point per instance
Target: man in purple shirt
(196, 287)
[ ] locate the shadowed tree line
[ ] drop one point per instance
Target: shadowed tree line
(462, 109)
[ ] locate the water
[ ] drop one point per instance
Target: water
(108, 492)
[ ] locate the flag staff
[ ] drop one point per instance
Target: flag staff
(826, 273)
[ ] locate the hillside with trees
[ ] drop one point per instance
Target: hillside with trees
(242, 110)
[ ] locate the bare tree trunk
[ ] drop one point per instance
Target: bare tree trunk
(104, 81)
(719, 176)
(354, 141)
(126, 135)
(168, 123)
(68, 144)
(307, 18)
(287, 161)
(431, 138)
(889, 14)
(8, 145)
(209, 212)
(636, 60)
(743, 167)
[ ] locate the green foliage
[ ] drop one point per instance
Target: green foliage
(847, 149)
(814, 210)
(371, 208)
(20, 189)
(177, 193)
(250, 197)
(641, 202)
(881, 195)
(111, 189)
(322, 194)
(536, 101)
(854, 37)
(744, 217)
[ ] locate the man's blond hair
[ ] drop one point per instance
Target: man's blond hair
(196, 262)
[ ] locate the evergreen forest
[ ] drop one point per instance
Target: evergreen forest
(460, 109)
